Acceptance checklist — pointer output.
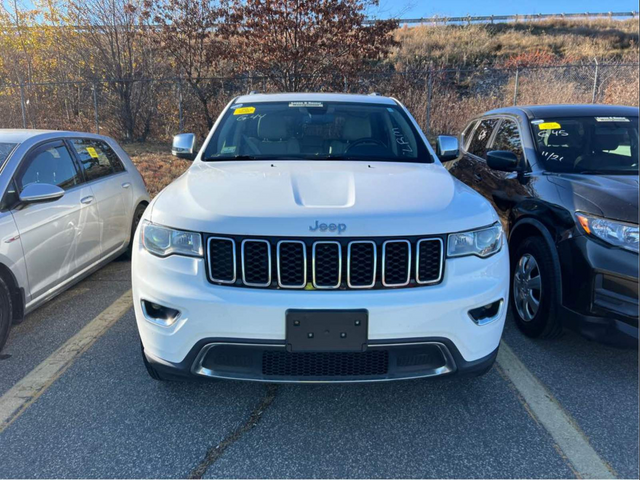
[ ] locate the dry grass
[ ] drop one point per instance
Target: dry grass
(567, 41)
(156, 164)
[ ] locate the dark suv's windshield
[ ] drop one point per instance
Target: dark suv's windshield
(590, 145)
(316, 131)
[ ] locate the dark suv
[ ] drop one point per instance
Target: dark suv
(564, 179)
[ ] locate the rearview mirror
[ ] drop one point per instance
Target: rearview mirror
(447, 148)
(40, 192)
(184, 146)
(502, 160)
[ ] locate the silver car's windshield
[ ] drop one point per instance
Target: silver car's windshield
(588, 145)
(316, 131)
(5, 150)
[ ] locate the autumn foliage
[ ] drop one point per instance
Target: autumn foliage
(144, 70)
(298, 44)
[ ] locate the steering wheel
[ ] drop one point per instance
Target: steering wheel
(369, 140)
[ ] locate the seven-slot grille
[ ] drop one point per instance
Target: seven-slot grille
(325, 264)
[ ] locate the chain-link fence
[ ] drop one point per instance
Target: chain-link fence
(442, 100)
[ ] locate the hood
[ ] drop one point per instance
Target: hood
(290, 198)
(609, 196)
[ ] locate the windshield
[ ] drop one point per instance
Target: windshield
(590, 145)
(5, 150)
(316, 131)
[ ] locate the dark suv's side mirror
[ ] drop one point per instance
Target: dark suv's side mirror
(503, 160)
(447, 148)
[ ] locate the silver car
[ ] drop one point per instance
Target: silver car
(69, 203)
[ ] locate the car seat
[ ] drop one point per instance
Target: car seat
(272, 137)
(599, 157)
(354, 129)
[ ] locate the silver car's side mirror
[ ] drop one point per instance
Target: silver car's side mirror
(447, 148)
(184, 146)
(40, 192)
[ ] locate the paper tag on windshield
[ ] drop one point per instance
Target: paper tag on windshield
(244, 110)
(612, 119)
(92, 152)
(305, 104)
(549, 126)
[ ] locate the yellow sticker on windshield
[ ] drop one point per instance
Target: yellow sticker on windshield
(244, 110)
(549, 126)
(92, 152)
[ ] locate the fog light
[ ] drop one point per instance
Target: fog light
(159, 314)
(486, 314)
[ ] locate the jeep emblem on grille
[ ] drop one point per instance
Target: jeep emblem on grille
(328, 227)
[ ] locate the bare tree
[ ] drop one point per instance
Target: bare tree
(114, 47)
(185, 30)
(300, 44)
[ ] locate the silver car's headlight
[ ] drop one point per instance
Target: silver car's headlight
(619, 234)
(483, 242)
(164, 241)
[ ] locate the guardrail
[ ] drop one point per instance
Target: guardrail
(511, 18)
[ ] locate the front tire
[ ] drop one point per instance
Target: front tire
(6, 312)
(153, 373)
(137, 216)
(535, 295)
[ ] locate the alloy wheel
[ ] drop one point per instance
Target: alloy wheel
(527, 288)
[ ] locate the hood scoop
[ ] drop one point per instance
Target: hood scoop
(324, 189)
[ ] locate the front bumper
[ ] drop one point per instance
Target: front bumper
(600, 290)
(219, 314)
(270, 362)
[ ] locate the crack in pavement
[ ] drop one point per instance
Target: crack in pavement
(214, 453)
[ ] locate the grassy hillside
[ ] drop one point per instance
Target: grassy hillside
(553, 41)
(156, 164)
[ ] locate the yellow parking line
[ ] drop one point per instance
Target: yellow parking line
(549, 413)
(26, 391)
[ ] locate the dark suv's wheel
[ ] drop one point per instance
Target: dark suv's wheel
(6, 312)
(534, 289)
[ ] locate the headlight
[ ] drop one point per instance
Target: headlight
(619, 234)
(163, 241)
(482, 243)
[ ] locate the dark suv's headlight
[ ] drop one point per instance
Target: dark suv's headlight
(164, 241)
(618, 234)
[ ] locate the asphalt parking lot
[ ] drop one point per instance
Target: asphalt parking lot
(103, 416)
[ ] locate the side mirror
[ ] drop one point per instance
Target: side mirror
(503, 160)
(447, 148)
(184, 146)
(40, 192)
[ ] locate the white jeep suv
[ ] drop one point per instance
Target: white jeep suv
(317, 238)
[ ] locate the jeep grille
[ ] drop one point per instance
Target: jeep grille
(325, 264)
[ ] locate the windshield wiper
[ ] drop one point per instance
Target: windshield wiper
(609, 172)
(254, 157)
(337, 157)
(358, 158)
(235, 157)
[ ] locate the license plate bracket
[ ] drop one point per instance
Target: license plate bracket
(327, 330)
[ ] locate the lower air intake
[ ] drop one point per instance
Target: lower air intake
(325, 364)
